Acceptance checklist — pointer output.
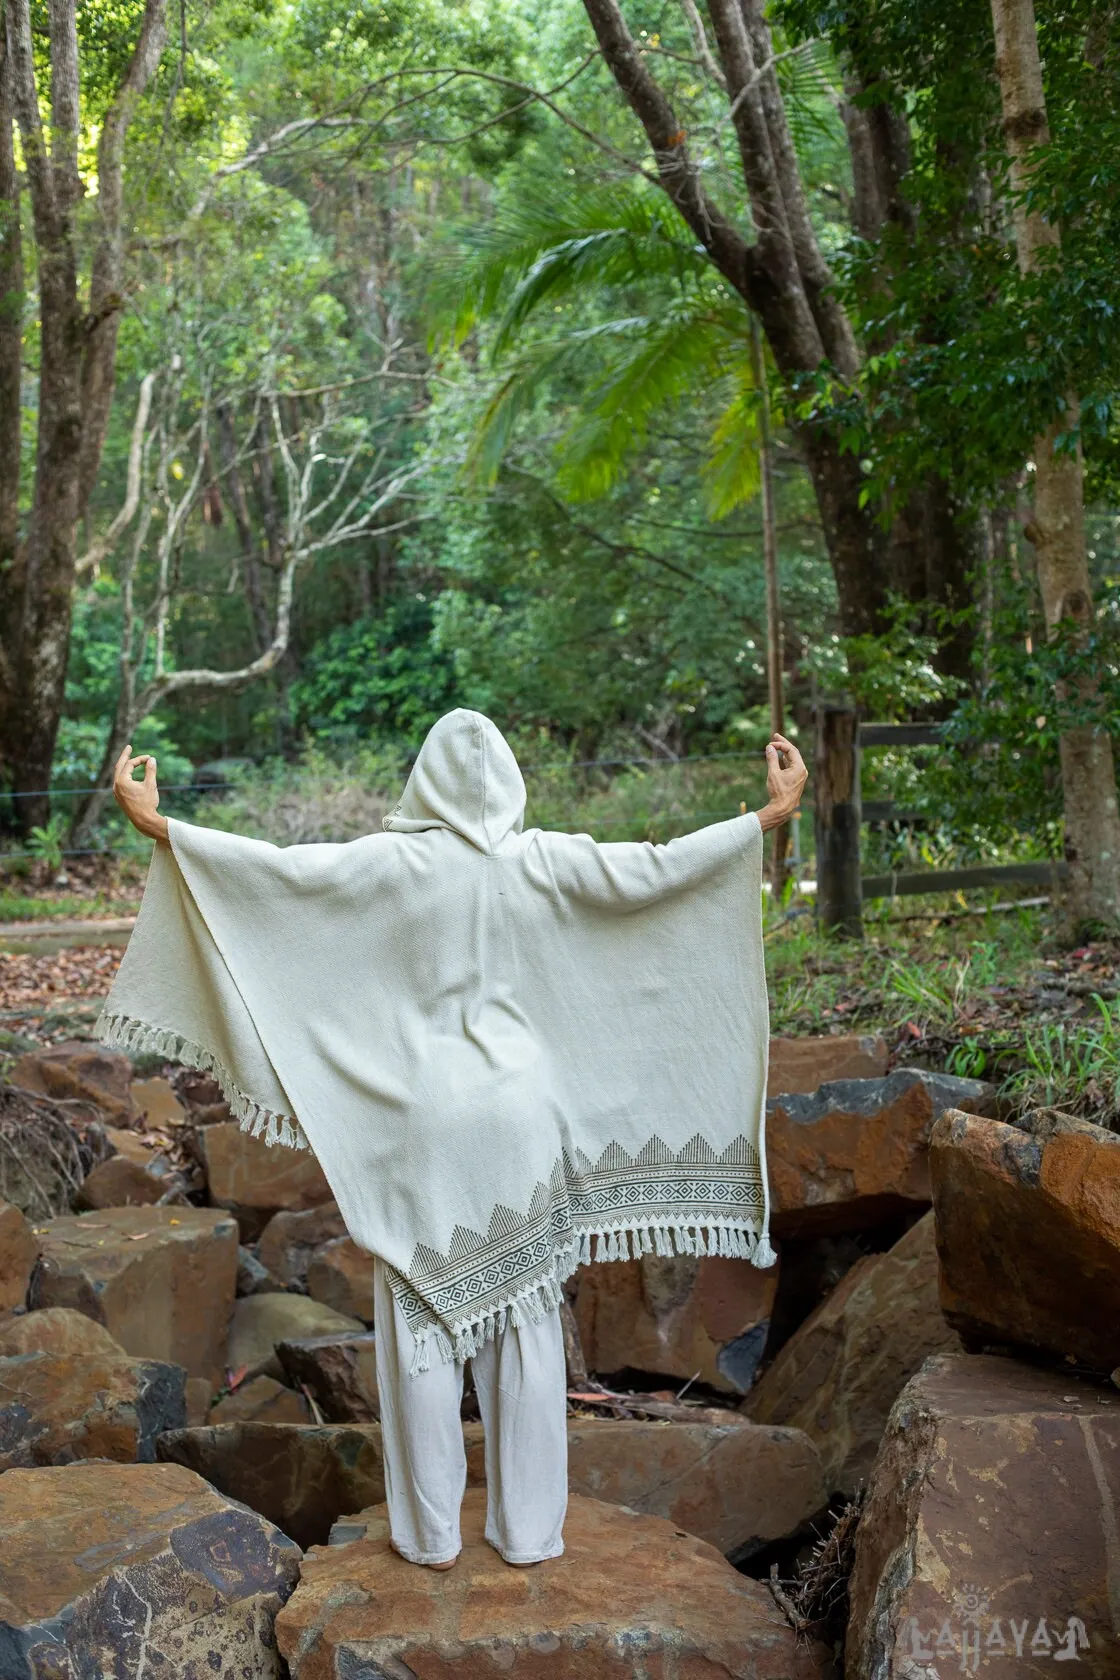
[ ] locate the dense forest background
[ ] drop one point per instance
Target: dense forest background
(360, 362)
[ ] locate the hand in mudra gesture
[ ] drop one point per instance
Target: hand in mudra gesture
(139, 800)
(785, 783)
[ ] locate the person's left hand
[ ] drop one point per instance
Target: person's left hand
(785, 783)
(139, 800)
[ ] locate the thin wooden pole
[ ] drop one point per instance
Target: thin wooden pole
(774, 634)
(838, 813)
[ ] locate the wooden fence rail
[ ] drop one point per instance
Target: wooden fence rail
(839, 813)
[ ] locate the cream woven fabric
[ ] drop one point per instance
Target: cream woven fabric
(512, 1052)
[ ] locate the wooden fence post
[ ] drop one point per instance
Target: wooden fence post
(837, 819)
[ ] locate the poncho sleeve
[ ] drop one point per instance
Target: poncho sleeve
(629, 875)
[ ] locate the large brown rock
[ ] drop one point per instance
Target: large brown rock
(262, 1400)
(800, 1065)
(340, 1275)
(57, 1330)
(988, 1540)
(289, 1241)
(735, 1485)
(155, 1101)
(130, 1570)
(740, 1485)
(839, 1375)
(254, 1179)
(57, 1407)
(339, 1372)
(1028, 1233)
(856, 1152)
(78, 1069)
(19, 1251)
(260, 1322)
(161, 1280)
(632, 1595)
(679, 1317)
(302, 1477)
(119, 1182)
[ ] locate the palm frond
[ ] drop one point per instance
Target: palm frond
(731, 472)
(677, 356)
(556, 243)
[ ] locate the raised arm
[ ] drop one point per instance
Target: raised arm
(138, 800)
(784, 783)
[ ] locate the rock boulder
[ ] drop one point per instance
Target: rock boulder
(988, 1540)
(800, 1065)
(677, 1317)
(119, 1182)
(340, 1274)
(339, 1372)
(737, 1486)
(632, 1594)
(262, 1400)
(302, 1477)
(839, 1375)
(19, 1251)
(260, 1322)
(160, 1279)
(78, 1069)
(136, 1569)
(57, 1407)
(254, 1179)
(1028, 1233)
(856, 1152)
(289, 1240)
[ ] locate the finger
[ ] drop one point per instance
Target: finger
(123, 754)
(780, 741)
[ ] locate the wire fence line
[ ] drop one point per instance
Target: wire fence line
(529, 769)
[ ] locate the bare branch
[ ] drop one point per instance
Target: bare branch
(103, 546)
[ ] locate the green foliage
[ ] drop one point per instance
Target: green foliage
(45, 843)
(383, 678)
(1072, 1066)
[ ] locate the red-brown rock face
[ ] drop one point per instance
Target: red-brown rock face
(161, 1279)
(1028, 1233)
(19, 1251)
(856, 1151)
(988, 1542)
(137, 1570)
(678, 1316)
(630, 1590)
(80, 1070)
(839, 1375)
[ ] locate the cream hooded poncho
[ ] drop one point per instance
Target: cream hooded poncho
(511, 1052)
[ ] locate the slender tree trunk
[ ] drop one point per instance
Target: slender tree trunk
(11, 407)
(775, 649)
(106, 284)
(1057, 530)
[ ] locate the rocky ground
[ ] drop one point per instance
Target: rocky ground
(897, 1453)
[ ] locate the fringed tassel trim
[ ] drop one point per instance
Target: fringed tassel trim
(464, 1340)
(531, 1306)
(124, 1032)
(726, 1239)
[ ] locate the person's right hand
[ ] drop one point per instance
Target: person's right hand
(139, 800)
(784, 783)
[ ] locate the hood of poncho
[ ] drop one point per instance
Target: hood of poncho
(512, 1052)
(466, 779)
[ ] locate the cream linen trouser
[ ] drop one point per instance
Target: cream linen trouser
(520, 1381)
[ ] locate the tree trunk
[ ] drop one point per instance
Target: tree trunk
(804, 324)
(11, 352)
(1092, 822)
(775, 651)
(43, 611)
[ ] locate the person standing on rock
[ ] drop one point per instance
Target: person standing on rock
(513, 1052)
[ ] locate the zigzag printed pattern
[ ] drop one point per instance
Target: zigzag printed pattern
(583, 1199)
